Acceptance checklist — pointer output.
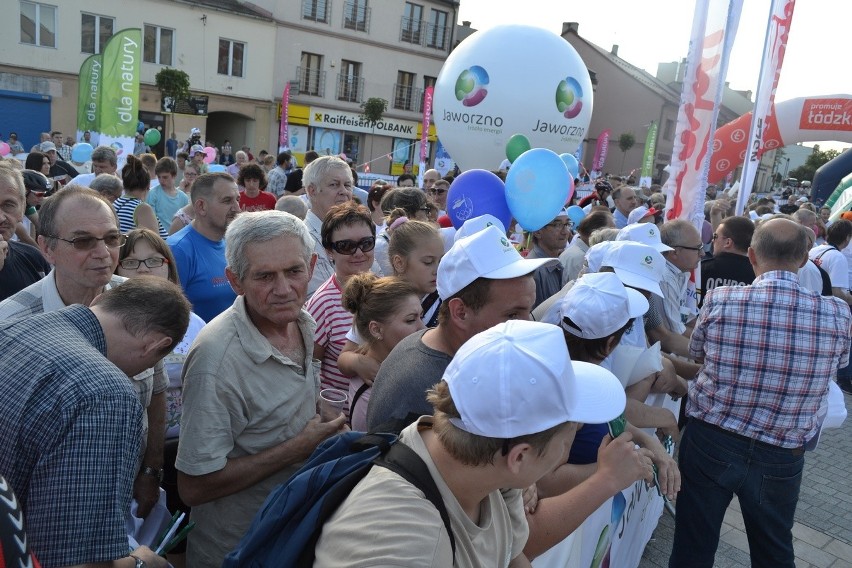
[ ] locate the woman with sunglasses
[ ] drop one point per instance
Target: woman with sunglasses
(185, 214)
(146, 254)
(348, 236)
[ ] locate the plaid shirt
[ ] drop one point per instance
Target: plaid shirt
(70, 424)
(769, 351)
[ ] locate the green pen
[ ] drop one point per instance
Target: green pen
(178, 537)
(168, 527)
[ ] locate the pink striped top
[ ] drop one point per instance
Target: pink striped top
(333, 321)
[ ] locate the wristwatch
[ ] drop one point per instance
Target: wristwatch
(139, 562)
(158, 473)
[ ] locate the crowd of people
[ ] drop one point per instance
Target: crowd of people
(195, 317)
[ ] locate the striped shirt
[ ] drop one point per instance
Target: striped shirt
(70, 424)
(125, 209)
(333, 321)
(769, 351)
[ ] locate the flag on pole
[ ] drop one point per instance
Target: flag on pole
(763, 116)
(601, 150)
(88, 97)
(424, 134)
(649, 156)
(284, 128)
(118, 107)
(713, 30)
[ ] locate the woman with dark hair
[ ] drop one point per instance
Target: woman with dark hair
(38, 162)
(385, 311)
(132, 210)
(348, 236)
(252, 179)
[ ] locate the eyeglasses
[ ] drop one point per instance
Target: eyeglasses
(718, 236)
(437, 191)
(559, 225)
(699, 247)
(133, 264)
(348, 246)
(88, 243)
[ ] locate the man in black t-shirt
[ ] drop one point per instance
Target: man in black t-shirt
(730, 265)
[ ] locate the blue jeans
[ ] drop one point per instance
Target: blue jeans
(715, 465)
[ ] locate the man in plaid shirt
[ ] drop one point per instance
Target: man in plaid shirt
(769, 351)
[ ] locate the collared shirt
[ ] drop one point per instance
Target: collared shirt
(620, 219)
(323, 269)
(548, 278)
(769, 351)
(572, 259)
(66, 411)
(64, 152)
(673, 285)
(241, 396)
(276, 180)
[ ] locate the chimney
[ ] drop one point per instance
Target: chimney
(466, 23)
(614, 49)
(570, 27)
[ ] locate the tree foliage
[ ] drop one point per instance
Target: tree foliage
(173, 83)
(815, 161)
(373, 109)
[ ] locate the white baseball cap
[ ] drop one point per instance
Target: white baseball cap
(476, 224)
(485, 254)
(640, 213)
(598, 305)
(517, 379)
(645, 233)
(637, 265)
(48, 146)
(194, 131)
(596, 254)
(196, 149)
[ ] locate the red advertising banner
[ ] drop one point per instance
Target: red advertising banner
(601, 150)
(427, 115)
(826, 114)
(283, 130)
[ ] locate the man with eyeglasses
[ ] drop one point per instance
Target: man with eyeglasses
(438, 194)
(687, 251)
(22, 264)
(199, 248)
(250, 390)
(79, 236)
(549, 242)
(730, 265)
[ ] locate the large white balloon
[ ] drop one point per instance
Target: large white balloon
(509, 80)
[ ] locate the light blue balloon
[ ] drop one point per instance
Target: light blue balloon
(576, 214)
(572, 164)
(216, 168)
(537, 187)
(81, 152)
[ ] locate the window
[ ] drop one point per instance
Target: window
(316, 10)
(405, 94)
(356, 15)
(411, 23)
(95, 31)
(436, 33)
(311, 76)
(349, 82)
(158, 45)
(668, 132)
(38, 24)
(231, 55)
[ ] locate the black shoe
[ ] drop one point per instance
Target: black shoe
(845, 386)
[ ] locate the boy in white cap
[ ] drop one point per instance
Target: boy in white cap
(504, 416)
(483, 281)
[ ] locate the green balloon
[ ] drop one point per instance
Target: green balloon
(152, 137)
(517, 145)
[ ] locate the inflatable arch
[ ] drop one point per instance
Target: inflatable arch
(806, 119)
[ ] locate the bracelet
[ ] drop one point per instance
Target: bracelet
(153, 472)
(139, 562)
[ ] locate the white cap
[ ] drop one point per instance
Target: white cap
(517, 379)
(486, 254)
(802, 199)
(637, 265)
(476, 224)
(194, 131)
(598, 305)
(640, 213)
(645, 233)
(196, 149)
(47, 147)
(596, 254)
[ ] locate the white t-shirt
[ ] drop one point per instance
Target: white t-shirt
(832, 261)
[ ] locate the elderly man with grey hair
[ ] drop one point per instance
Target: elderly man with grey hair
(104, 161)
(249, 389)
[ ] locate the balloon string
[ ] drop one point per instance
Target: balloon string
(383, 156)
(529, 238)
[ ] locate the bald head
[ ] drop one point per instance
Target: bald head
(778, 244)
(429, 178)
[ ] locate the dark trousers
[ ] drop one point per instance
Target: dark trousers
(715, 465)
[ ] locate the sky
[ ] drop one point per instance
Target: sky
(649, 32)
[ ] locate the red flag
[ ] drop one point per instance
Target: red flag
(601, 150)
(283, 131)
(427, 115)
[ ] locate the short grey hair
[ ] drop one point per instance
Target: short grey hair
(108, 184)
(602, 235)
(261, 227)
(671, 232)
(292, 204)
(104, 154)
(314, 172)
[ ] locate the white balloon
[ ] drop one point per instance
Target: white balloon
(508, 80)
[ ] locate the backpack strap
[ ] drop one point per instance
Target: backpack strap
(361, 390)
(405, 462)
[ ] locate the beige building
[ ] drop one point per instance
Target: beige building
(239, 55)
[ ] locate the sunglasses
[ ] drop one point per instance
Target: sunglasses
(348, 246)
(133, 264)
(689, 248)
(437, 191)
(88, 243)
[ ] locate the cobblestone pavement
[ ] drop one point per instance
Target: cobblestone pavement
(822, 533)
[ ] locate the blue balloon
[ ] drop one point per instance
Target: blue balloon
(572, 164)
(216, 168)
(537, 187)
(81, 152)
(474, 193)
(576, 214)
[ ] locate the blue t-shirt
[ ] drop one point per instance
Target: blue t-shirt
(586, 443)
(201, 268)
(165, 206)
